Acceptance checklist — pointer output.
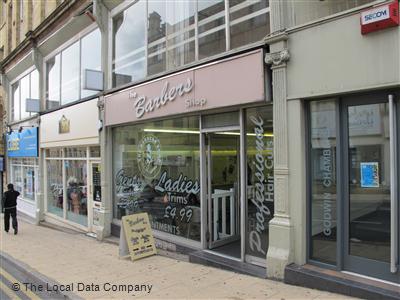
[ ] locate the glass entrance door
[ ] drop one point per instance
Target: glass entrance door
(223, 178)
(369, 193)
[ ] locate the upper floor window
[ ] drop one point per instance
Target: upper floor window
(65, 70)
(23, 90)
(150, 37)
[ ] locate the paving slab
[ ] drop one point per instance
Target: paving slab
(75, 258)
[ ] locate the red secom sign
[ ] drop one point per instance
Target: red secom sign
(380, 17)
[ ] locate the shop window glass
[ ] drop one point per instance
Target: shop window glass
(17, 178)
(75, 152)
(55, 198)
(70, 74)
(76, 191)
(323, 180)
(260, 179)
(29, 183)
(95, 151)
(249, 21)
(23, 176)
(54, 152)
(91, 57)
(221, 120)
(129, 61)
(53, 67)
(211, 27)
(156, 169)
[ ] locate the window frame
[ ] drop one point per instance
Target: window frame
(228, 51)
(88, 159)
(77, 38)
(27, 72)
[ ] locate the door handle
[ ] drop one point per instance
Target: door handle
(394, 218)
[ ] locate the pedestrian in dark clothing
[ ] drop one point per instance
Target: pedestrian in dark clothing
(10, 208)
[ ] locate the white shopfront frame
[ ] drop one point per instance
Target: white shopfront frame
(89, 160)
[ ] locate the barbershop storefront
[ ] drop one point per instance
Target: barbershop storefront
(22, 154)
(70, 145)
(195, 151)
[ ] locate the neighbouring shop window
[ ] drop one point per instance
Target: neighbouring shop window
(323, 181)
(24, 177)
(55, 188)
(67, 181)
(260, 179)
(95, 151)
(75, 152)
(24, 89)
(156, 169)
(65, 70)
(76, 188)
(169, 34)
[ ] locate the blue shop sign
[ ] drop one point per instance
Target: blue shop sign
(23, 144)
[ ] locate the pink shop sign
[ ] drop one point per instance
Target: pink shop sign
(234, 81)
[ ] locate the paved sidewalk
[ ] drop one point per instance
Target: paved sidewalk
(72, 258)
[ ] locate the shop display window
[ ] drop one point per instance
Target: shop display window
(156, 169)
(24, 177)
(55, 188)
(68, 180)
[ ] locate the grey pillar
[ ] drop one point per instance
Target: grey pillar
(280, 228)
(101, 13)
(37, 58)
